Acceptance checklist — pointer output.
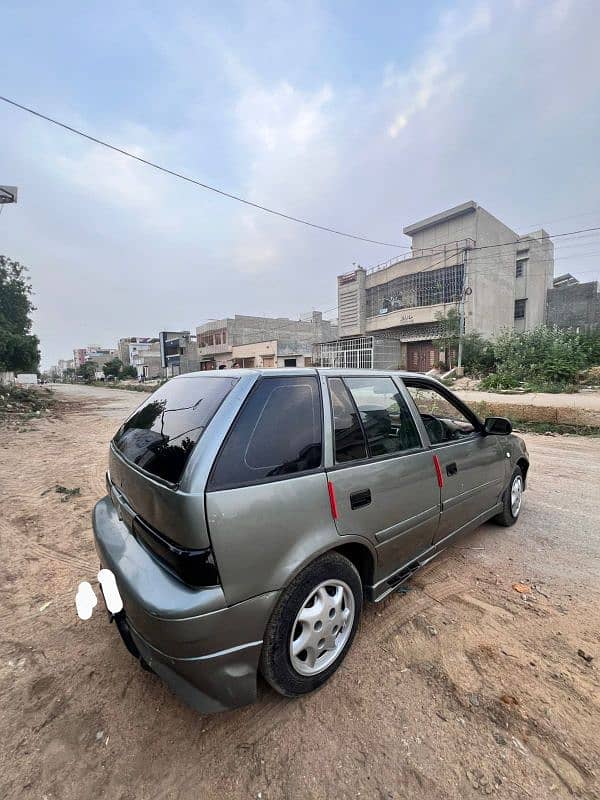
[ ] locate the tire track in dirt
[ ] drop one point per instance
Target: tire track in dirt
(66, 559)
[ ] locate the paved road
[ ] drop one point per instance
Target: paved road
(458, 689)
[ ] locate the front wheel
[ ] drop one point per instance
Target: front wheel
(313, 626)
(513, 500)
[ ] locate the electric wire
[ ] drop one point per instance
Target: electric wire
(198, 183)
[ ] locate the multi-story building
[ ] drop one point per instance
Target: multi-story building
(93, 352)
(79, 354)
(290, 340)
(464, 253)
(131, 345)
(148, 362)
(574, 305)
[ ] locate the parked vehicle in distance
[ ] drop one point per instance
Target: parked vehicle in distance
(249, 513)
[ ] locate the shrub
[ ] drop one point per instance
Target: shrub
(543, 359)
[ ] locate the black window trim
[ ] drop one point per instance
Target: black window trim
(370, 459)
(524, 301)
(273, 478)
(422, 383)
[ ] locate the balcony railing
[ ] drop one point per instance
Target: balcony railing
(214, 349)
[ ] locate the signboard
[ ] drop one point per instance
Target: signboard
(8, 194)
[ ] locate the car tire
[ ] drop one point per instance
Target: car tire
(327, 596)
(512, 500)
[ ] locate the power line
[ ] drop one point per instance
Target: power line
(525, 240)
(195, 182)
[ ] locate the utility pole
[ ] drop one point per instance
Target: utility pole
(461, 317)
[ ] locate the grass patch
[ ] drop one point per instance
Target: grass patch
(18, 405)
(128, 387)
(520, 426)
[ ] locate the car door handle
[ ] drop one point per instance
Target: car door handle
(360, 498)
(451, 469)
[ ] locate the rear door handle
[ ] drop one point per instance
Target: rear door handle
(360, 498)
(451, 469)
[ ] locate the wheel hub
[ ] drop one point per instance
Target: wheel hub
(322, 627)
(516, 495)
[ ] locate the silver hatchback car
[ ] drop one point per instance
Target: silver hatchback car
(249, 513)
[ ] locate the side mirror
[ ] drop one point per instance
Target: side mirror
(498, 426)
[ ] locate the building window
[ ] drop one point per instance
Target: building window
(520, 309)
(289, 362)
(520, 269)
(425, 288)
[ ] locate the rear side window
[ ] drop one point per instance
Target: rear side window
(160, 435)
(348, 434)
(277, 433)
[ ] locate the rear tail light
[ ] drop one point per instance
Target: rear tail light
(193, 567)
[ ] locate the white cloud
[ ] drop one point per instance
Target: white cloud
(289, 137)
(114, 180)
(437, 71)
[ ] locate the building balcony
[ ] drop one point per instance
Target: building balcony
(214, 350)
(408, 316)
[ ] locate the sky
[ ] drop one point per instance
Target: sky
(362, 117)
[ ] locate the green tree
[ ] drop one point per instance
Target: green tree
(19, 348)
(87, 371)
(128, 372)
(113, 367)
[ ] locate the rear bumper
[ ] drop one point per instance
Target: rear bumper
(206, 651)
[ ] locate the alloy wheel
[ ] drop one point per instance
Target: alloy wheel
(516, 495)
(322, 627)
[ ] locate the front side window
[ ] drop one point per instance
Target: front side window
(386, 419)
(278, 433)
(443, 421)
(160, 435)
(349, 439)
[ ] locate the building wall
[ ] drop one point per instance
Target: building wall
(537, 250)
(444, 228)
(576, 307)
(490, 274)
(258, 354)
(242, 330)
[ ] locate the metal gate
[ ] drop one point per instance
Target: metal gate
(420, 356)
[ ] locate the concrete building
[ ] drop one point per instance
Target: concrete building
(574, 305)
(148, 362)
(131, 345)
(462, 252)
(64, 365)
(291, 340)
(273, 353)
(93, 352)
(179, 352)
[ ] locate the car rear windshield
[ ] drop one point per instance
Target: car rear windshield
(160, 435)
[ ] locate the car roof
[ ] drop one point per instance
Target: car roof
(291, 371)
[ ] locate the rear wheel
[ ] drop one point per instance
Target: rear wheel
(313, 626)
(513, 500)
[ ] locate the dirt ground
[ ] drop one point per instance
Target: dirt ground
(460, 688)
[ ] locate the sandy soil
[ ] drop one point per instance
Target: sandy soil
(460, 688)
